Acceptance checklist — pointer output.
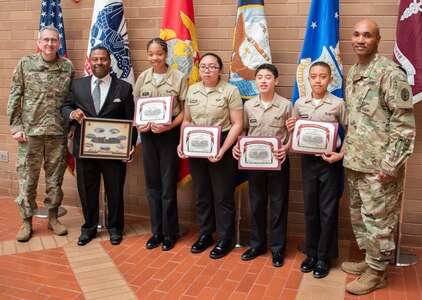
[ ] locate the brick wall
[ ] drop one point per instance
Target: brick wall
(214, 22)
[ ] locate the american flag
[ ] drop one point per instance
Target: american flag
(51, 15)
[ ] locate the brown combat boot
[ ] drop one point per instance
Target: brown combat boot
(24, 233)
(367, 282)
(355, 268)
(54, 224)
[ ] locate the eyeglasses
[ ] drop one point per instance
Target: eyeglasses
(52, 40)
(209, 68)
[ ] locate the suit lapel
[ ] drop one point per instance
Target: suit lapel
(86, 86)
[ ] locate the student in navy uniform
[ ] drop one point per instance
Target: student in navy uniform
(159, 143)
(214, 102)
(265, 115)
(321, 174)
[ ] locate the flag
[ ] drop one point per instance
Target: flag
(251, 46)
(51, 15)
(321, 44)
(179, 31)
(108, 29)
(408, 46)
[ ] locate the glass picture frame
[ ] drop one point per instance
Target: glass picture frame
(157, 110)
(314, 137)
(257, 152)
(201, 141)
(106, 138)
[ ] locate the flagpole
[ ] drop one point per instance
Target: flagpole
(402, 258)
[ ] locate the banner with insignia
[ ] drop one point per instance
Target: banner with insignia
(108, 29)
(321, 44)
(179, 31)
(408, 46)
(251, 46)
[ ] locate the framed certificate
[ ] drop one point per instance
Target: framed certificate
(313, 137)
(257, 152)
(201, 141)
(106, 138)
(153, 109)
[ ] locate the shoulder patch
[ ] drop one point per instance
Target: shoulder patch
(405, 94)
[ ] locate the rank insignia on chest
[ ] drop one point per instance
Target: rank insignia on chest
(146, 94)
(277, 118)
(252, 121)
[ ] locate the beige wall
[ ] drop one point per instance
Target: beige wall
(214, 22)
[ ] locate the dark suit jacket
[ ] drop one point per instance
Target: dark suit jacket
(119, 104)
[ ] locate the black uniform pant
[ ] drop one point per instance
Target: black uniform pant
(89, 179)
(214, 185)
(275, 186)
(321, 183)
(161, 165)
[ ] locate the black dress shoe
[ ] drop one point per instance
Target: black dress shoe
(278, 259)
(202, 243)
(222, 248)
(322, 268)
(251, 253)
(84, 239)
(116, 239)
(168, 242)
(154, 241)
(308, 264)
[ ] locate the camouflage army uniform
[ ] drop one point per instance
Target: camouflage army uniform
(37, 92)
(381, 131)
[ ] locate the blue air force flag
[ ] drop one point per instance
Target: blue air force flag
(108, 29)
(321, 44)
(51, 15)
(251, 46)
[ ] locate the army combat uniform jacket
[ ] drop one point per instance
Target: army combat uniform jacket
(381, 125)
(37, 92)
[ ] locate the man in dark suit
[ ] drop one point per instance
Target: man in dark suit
(99, 96)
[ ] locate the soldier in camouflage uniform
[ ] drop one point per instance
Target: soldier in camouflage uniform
(39, 85)
(379, 141)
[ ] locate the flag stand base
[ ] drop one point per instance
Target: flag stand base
(43, 212)
(405, 259)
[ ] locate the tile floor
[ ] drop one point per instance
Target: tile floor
(52, 267)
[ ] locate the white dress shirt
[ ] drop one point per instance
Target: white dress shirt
(104, 87)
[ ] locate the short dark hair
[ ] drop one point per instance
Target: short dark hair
(219, 61)
(269, 67)
(160, 42)
(323, 64)
(99, 47)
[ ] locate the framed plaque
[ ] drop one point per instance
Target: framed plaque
(201, 141)
(257, 152)
(314, 137)
(153, 109)
(106, 138)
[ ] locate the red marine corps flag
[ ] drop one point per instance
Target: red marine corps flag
(178, 30)
(408, 46)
